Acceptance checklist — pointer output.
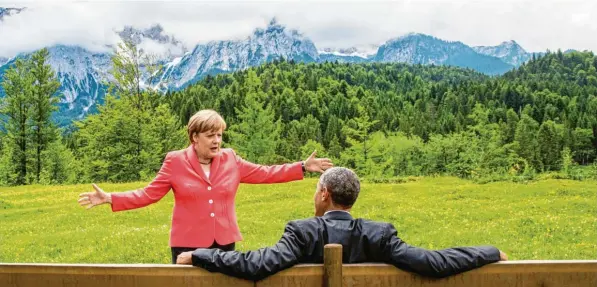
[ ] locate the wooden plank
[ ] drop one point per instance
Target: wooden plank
(511, 273)
(304, 275)
(332, 265)
(85, 275)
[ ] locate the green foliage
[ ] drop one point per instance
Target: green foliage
(130, 136)
(43, 103)
(17, 85)
(257, 135)
(358, 136)
(566, 160)
(526, 140)
(549, 145)
(385, 120)
(463, 123)
(8, 173)
(31, 96)
(60, 165)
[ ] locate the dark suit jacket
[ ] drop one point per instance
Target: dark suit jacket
(362, 241)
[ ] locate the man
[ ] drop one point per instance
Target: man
(362, 241)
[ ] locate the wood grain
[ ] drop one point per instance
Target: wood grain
(512, 273)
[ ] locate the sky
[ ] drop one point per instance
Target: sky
(536, 25)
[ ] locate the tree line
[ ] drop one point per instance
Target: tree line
(384, 120)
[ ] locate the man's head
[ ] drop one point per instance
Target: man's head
(338, 188)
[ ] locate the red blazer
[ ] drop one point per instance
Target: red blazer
(204, 207)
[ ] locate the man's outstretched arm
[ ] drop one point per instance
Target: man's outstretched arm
(252, 265)
(437, 263)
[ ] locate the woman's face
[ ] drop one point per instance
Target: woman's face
(207, 144)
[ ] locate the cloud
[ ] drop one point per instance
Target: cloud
(535, 24)
(160, 50)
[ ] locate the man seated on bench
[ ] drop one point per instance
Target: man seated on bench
(362, 241)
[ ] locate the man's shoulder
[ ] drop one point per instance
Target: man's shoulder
(375, 227)
(316, 221)
(370, 222)
(305, 222)
(305, 225)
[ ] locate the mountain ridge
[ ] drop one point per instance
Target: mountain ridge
(82, 72)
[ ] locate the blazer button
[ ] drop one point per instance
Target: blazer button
(211, 201)
(209, 188)
(212, 214)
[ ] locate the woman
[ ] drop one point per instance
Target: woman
(205, 180)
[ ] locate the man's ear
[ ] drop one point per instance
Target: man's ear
(324, 194)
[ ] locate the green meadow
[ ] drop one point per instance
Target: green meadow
(545, 219)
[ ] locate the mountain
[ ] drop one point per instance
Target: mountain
(216, 57)
(361, 52)
(167, 45)
(5, 12)
(347, 55)
(509, 52)
(416, 48)
(82, 73)
(328, 57)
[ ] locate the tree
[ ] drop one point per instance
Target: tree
(43, 103)
(526, 140)
(18, 86)
(357, 133)
(510, 128)
(592, 111)
(164, 130)
(582, 147)
(332, 131)
(59, 164)
(7, 170)
(130, 135)
(549, 145)
(257, 135)
(127, 72)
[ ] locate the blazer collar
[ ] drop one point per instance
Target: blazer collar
(338, 215)
(192, 158)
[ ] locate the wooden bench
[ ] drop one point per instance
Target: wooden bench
(332, 273)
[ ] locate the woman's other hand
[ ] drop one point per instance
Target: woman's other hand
(97, 197)
(313, 164)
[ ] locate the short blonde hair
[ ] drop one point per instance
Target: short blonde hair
(203, 121)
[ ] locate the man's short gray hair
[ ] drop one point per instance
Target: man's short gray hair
(343, 185)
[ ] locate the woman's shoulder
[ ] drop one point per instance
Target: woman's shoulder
(181, 153)
(227, 152)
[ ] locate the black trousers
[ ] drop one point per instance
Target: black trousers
(177, 250)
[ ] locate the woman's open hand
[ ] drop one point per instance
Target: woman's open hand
(97, 197)
(313, 164)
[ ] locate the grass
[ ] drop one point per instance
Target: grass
(546, 219)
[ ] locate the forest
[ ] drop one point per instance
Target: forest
(387, 121)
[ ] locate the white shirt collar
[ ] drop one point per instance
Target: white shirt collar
(336, 210)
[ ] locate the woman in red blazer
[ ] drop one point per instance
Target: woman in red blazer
(204, 179)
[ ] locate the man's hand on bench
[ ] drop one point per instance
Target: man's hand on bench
(503, 256)
(185, 258)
